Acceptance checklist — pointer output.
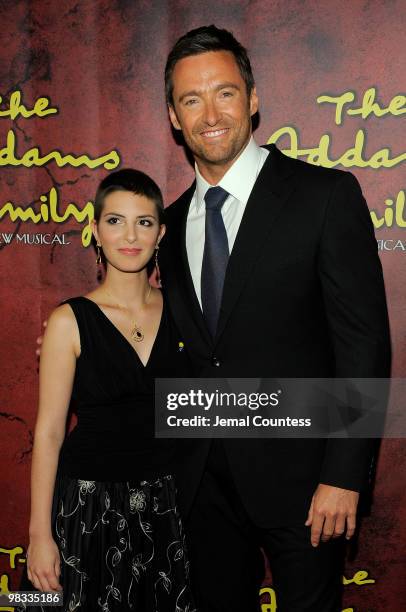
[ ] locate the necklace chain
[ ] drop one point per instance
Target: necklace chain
(136, 332)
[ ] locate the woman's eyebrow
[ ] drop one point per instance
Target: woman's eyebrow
(114, 214)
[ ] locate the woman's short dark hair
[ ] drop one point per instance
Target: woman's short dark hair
(131, 180)
(202, 40)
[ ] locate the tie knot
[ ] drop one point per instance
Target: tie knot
(215, 198)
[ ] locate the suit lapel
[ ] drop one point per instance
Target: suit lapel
(267, 198)
(181, 263)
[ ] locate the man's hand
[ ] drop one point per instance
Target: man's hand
(332, 511)
(39, 341)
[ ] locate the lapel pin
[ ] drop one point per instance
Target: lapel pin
(180, 346)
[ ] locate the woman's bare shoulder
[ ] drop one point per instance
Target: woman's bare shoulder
(62, 328)
(62, 316)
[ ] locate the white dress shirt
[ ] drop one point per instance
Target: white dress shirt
(238, 181)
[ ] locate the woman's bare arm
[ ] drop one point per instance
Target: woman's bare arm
(61, 346)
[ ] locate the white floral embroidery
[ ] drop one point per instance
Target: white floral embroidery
(178, 554)
(122, 523)
(137, 501)
(166, 582)
(87, 486)
(73, 604)
(136, 566)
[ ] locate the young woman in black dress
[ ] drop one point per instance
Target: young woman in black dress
(104, 524)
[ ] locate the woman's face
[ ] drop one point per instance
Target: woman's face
(128, 230)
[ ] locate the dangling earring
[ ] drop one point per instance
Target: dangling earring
(157, 271)
(99, 275)
(98, 254)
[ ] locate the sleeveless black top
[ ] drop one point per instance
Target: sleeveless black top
(113, 398)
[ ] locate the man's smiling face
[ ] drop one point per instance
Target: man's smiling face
(212, 107)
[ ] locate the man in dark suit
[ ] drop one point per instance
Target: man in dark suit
(271, 270)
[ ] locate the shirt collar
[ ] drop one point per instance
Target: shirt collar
(239, 179)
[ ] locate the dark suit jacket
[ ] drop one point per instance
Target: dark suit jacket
(303, 297)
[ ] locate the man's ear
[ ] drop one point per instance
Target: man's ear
(173, 117)
(253, 101)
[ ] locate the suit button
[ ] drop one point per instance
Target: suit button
(215, 361)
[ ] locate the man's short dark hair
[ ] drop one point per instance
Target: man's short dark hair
(202, 40)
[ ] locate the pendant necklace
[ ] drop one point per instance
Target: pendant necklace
(136, 332)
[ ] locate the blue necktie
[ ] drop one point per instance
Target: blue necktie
(215, 257)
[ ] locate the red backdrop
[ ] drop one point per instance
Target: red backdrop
(100, 64)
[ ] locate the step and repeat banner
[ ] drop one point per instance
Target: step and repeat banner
(81, 86)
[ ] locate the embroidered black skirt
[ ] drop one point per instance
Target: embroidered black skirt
(121, 547)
